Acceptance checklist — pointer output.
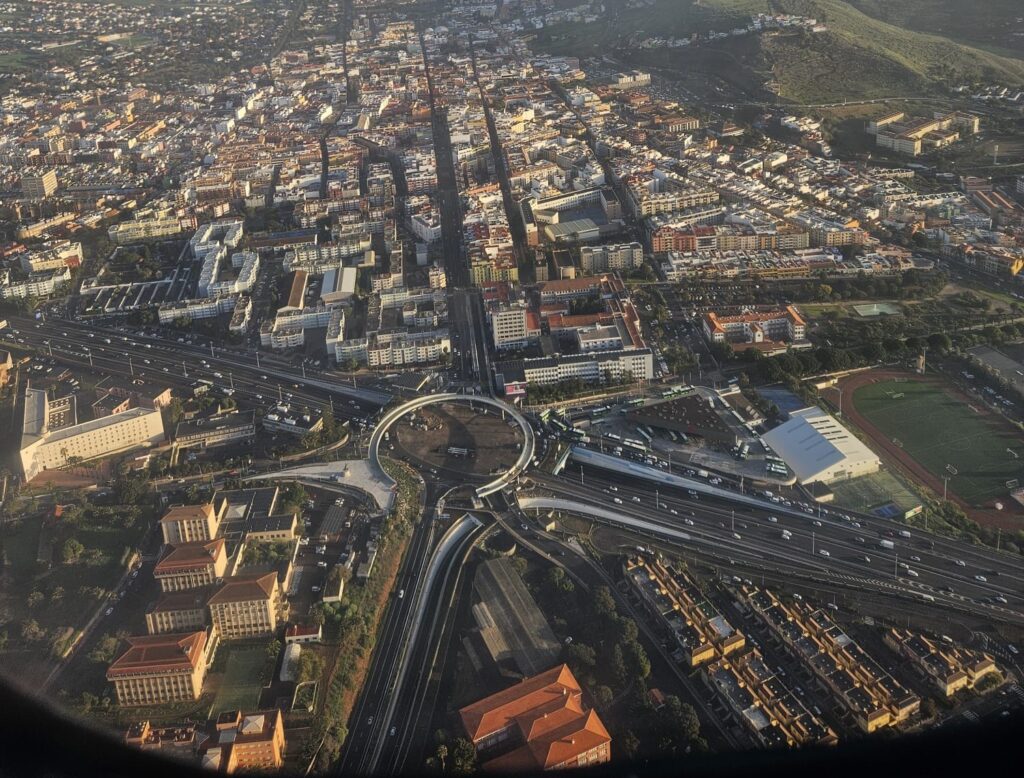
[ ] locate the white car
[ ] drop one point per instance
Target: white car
(773, 520)
(961, 563)
(824, 552)
(981, 578)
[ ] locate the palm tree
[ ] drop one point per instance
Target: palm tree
(442, 753)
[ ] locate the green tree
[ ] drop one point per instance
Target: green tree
(35, 599)
(31, 631)
(603, 696)
(71, 551)
(463, 756)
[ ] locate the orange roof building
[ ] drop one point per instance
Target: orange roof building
(157, 669)
(246, 606)
(191, 565)
(539, 724)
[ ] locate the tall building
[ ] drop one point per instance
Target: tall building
(247, 606)
(51, 439)
(191, 523)
(157, 669)
(191, 565)
(621, 256)
(244, 742)
(36, 186)
(539, 724)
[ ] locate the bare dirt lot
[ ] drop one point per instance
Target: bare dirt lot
(490, 443)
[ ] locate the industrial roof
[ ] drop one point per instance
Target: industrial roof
(812, 442)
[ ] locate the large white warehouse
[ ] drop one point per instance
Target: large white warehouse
(819, 449)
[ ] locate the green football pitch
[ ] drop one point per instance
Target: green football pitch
(976, 451)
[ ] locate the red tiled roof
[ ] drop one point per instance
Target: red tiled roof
(159, 653)
(548, 712)
(198, 554)
(245, 588)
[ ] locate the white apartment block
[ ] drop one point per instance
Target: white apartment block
(43, 448)
(40, 284)
(620, 257)
(147, 225)
(198, 308)
(597, 367)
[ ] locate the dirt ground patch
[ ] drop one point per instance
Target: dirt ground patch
(490, 443)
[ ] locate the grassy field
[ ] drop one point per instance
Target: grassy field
(240, 687)
(937, 430)
(991, 24)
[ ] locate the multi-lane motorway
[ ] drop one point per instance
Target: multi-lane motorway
(946, 570)
(160, 359)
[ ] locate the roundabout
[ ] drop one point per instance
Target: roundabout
(501, 476)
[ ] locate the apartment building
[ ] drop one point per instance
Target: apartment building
(42, 283)
(513, 326)
(615, 257)
(37, 186)
(150, 224)
(161, 669)
(52, 440)
(191, 523)
(183, 611)
(949, 668)
(219, 430)
(191, 565)
(539, 724)
(701, 632)
(245, 742)
(247, 606)
(55, 255)
(857, 682)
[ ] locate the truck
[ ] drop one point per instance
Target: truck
(888, 544)
(903, 533)
(703, 474)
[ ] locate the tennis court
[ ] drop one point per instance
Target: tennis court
(977, 452)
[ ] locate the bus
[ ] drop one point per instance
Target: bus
(456, 451)
(613, 436)
(644, 434)
(673, 436)
(600, 411)
(559, 425)
(634, 445)
(576, 434)
(635, 402)
(544, 415)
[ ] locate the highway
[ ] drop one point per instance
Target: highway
(745, 533)
(366, 725)
(381, 727)
(258, 377)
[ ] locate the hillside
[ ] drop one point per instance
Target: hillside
(873, 48)
(862, 56)
(996, 25)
